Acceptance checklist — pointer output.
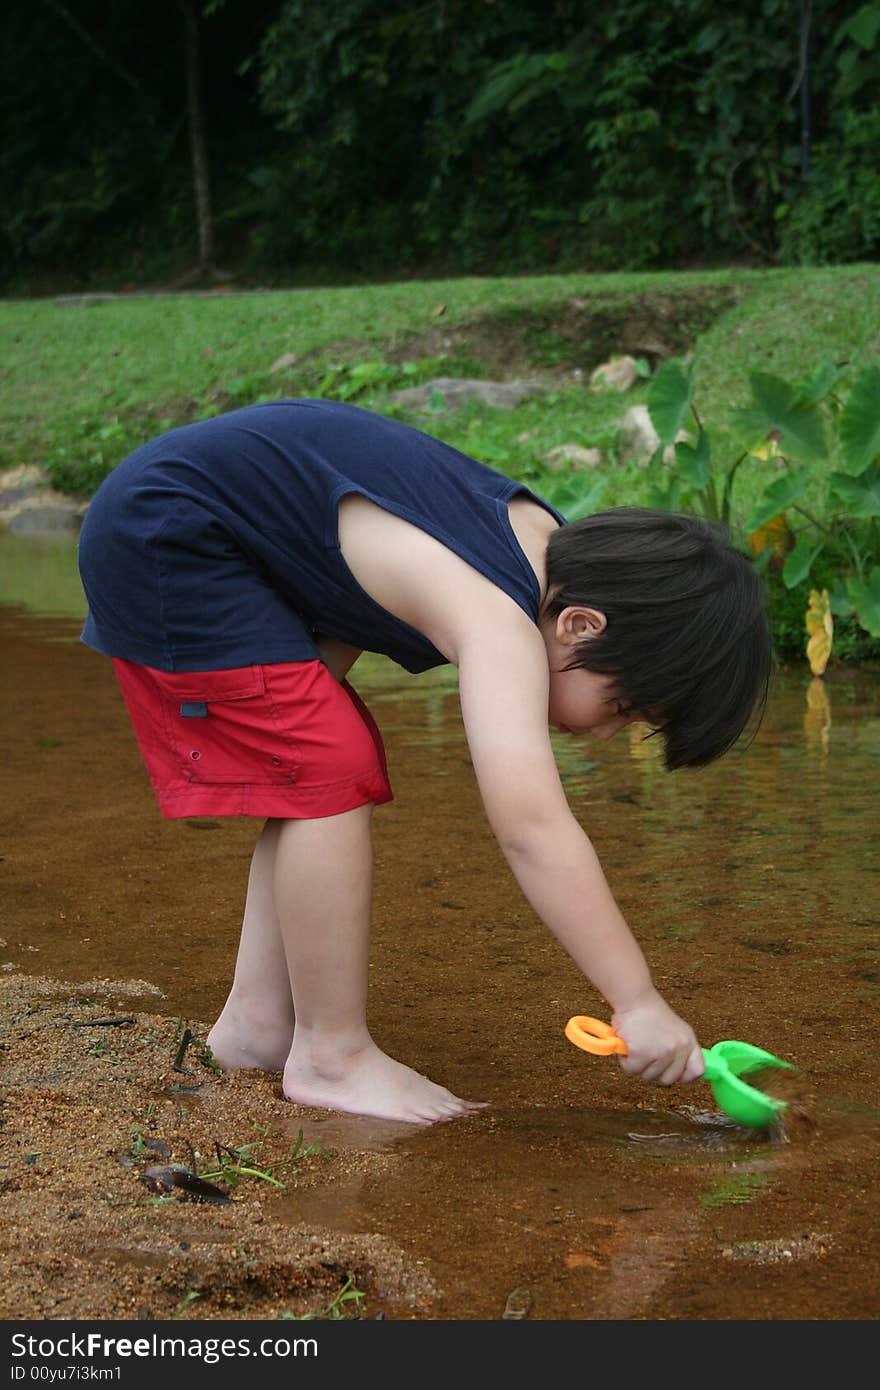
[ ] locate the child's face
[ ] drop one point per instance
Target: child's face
(584, 702)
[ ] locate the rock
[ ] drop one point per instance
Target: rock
(572, 456)
(30, 507)
(618, 374)
(456, 390)
(82, 301)
(19, 483)
(287, 359)
(637, 439)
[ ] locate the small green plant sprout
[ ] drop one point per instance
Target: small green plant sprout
(348, 381)
(345, 382)
(139, 1131)
(818, 519)
(184, 1039)
(233, 1164)
(346, 1304)
(185, 1303)
(206, 1056)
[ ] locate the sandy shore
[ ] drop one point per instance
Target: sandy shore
(91, 1107)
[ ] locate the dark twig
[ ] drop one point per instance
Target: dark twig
(177, 1064)
(105, 1022)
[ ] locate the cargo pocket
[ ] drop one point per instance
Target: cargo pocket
(227, 730)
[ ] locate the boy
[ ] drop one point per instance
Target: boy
(236, 568)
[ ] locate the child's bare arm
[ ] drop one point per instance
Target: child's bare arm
(504, 694)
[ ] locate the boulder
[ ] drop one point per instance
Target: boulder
(29, 506)
(16, 484)
(638, 441)
(572, 457)
(618, 374)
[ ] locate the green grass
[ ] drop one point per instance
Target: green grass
(94, 381)
(84, 382)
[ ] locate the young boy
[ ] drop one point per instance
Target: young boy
(236, 568)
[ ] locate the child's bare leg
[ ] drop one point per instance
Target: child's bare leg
(255, 1028)
(323, 889)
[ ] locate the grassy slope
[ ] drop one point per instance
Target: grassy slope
(82, 385)
(127, 358)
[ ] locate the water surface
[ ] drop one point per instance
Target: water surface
(752, 886)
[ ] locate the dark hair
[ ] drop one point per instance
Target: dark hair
(687, 633)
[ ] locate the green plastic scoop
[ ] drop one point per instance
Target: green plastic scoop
(726, 1064)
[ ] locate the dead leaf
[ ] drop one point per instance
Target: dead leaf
(820, 626)
(436, 312)
(163, 1178)
(775, 537)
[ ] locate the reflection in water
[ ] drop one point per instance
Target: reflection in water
(40, 573)
(817, 718)
(737, 1187)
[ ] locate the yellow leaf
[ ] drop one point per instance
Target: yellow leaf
(767, 449)
(774, 536)
(820, 626)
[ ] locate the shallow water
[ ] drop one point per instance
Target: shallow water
(752, 885)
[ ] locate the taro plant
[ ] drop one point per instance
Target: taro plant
(818, 520)
(574, 495)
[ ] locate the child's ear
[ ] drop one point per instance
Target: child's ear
(576, 624)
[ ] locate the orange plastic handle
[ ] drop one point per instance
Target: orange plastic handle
(593, 1035)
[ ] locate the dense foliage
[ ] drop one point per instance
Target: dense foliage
(382, 137)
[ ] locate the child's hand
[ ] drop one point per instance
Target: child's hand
(661, 1046)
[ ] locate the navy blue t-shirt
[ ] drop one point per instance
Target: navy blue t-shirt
(216, 545)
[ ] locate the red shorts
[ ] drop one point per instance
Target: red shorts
(283, 740)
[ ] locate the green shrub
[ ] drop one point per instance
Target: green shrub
(837, 218)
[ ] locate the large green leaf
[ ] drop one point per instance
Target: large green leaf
(665, 499)
(575, 497)
(860, 423)
(694, 465)
(778, 409)
(776, 498)
(815, 386)
(860, 495)
(865, 596)
(839, 600)
(669, 399)
(863, 26)
(799, 562)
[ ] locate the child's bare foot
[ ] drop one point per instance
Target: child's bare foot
(238, 1042)
(368, 1082)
